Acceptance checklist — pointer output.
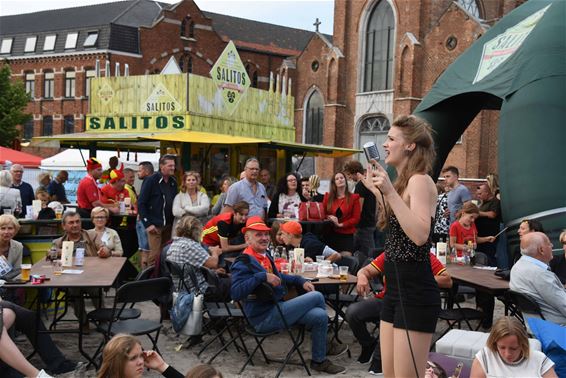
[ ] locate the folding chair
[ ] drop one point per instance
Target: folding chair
(101, 315)
(222, 316)
(131, 293)
(455, 316)
(524, 305)
(260, 337)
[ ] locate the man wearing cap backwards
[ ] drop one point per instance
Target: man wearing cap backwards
(292, 234)
(88, 193)
(255, 267)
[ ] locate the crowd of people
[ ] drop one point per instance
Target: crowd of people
(251, 218)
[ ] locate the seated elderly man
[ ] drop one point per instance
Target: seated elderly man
(292, 234)
(187, 249)
(531, 276)
(255, 267)
(74, 232)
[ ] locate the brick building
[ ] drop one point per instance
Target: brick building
(382, 59)
(55, 52)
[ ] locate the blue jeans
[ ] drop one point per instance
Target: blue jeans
(308, 309)
(143, 244)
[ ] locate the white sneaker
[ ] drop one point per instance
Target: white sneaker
(43, 374)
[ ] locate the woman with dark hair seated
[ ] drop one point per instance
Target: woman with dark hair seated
(507, 354)
(287, 198)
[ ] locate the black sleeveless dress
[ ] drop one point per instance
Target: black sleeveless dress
(410, 279)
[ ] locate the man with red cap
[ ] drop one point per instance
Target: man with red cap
(253, 269)
(88, 193)
(114, 191)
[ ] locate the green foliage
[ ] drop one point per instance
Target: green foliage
(13, 100)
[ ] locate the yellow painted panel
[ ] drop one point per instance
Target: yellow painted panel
(139, 95)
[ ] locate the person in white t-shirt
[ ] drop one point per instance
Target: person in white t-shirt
(507, 354)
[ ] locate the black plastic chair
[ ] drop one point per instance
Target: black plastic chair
(260, 337)
(222, 317)
(101, 315)
(132, 293)
(524, 304)
(455, 316)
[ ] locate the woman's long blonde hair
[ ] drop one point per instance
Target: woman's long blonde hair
(418, 131)
(115, 356)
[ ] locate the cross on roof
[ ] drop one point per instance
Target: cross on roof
(317, 23)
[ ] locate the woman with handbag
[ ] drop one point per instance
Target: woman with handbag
(287, 198)
(343, 210)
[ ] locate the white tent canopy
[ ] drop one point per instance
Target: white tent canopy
(71, 159)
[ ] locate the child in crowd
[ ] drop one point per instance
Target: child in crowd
(463, 232)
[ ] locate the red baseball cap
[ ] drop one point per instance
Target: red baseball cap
(255, 223)
(292, 227)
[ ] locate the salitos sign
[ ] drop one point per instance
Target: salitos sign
(230, 77)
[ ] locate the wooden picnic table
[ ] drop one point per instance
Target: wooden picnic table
(96, 273)
(480, 279)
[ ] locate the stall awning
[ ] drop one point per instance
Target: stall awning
(315, 150)
(149, 141)
(19, 157)
(131, 141)
(189, 136)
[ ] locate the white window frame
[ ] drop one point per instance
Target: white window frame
(49, 82)
(6, 45)
(70, 84)
(49, 43)
(30, 44)
(91, 39)
(71, 41)
(30, 84)
(88, 76)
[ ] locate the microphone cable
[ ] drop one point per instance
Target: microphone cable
(388, 235)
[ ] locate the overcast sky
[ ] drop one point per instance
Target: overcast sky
(294, 13)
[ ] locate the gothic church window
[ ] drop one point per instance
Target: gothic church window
(373, 129)
(471, 6)
(379, 48)
(314, 120)
(187, 28)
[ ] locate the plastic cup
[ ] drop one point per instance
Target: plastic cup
(343, 273)
(26, 271)
(58, 213)
(319, 259)
(58, 267)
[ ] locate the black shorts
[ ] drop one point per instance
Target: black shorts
(419, 292)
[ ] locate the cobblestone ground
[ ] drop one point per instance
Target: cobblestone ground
(229, 363)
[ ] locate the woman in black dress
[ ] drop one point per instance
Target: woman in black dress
(407, 208)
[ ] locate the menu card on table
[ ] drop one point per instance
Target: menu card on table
(67, 253)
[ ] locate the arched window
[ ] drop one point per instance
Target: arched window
(471, 6)
(314, 120)
(186, 63)
(47, 129)
(373, 129)
(69, 125)
(187, 27)
(252, 74)
(379, 48)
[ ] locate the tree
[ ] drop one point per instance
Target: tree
(13, 100)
